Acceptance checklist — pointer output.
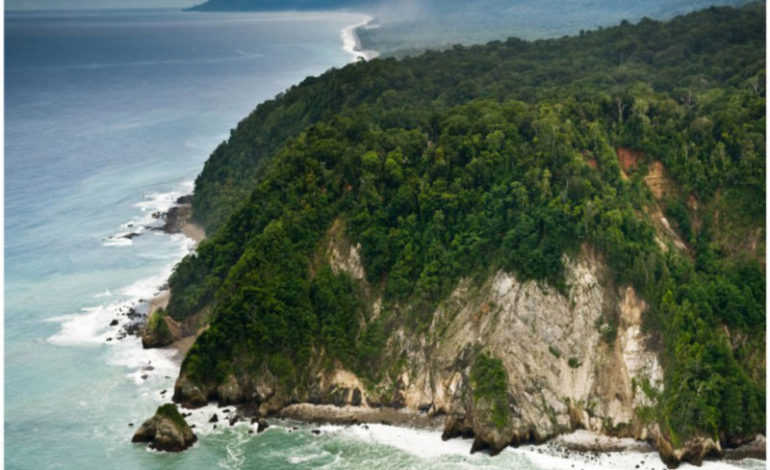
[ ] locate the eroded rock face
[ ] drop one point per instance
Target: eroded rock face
(166, 431)
(694, 450)
(162, 334)
(229, 392)
(573, 359)
(562, 370)
(188, 393)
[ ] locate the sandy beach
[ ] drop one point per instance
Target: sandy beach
(352, 44)
(178, 221)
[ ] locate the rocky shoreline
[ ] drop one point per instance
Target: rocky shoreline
(339, 398)
(580, 445)
(332, 414)
(176, 220)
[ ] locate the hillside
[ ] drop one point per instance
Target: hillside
(526, 237)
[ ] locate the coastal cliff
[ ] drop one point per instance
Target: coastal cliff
(511, 252)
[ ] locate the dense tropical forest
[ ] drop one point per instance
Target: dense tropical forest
(503, 156)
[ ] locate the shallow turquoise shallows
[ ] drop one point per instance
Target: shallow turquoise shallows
(109, 117)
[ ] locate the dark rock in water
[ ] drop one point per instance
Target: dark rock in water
(109, 339)
(114, 322)
(215, 426)
(144, 376)
(133, 328)
(234, 420)
(176, 218)
(166, 431)
(192, 426)
(163, 392)
(129, 236)
(251, 431)
(133, 314)
(262, 425)
(148, 368)
(214, 419)
(186, 199)
(156, 215)
(316, 431)
(130, 425)
(225, 410)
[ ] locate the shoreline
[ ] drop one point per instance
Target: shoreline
(352, 44)
(177, 220)
(586, 446)
(579, 447)
(343, 415)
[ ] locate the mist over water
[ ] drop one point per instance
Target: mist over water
(109, 118)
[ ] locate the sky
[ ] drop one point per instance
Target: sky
(95, 4)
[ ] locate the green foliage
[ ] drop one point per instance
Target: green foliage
(554, 352)
(157, 326)
(170, 411)
(608, 328)
(501, 156)
(338, 309)
(574, 362)
(490, 383)
(701, 61)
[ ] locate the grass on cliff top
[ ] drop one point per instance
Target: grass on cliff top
(170, 411)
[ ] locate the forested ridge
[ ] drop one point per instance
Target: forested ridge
(503, 156)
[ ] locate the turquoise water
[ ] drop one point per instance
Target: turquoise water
(109, 117)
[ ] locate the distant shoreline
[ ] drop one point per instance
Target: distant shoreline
(351, 43)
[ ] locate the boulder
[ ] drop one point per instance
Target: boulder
(693, 450)
(456, 426)
(166, 430)
(262, 425)
(157, 332)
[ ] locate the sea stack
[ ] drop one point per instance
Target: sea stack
(166, 430)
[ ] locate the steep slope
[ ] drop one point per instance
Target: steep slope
(407, 244)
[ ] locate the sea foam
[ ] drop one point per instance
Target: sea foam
(152, 205)
(351, 43)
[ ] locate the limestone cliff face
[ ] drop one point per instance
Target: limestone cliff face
(562, 373)
(572, 359)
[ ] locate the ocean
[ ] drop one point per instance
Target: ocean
(109, 117)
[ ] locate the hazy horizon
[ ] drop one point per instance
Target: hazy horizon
(12, 5)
